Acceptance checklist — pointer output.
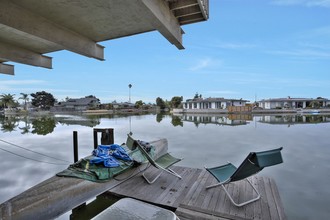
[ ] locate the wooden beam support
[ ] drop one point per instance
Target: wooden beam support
(160, 16)
(21, 55)
(7, 69)
(16, 17)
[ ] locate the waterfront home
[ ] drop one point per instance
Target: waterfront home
(293, 103)
(80, 104)
(211, 104)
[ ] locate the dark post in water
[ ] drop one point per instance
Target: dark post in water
(107, 136)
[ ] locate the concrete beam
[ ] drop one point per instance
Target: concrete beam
(183, 4)
(160, 16)
(18, 18)
(187, 11)
(6, 69)
(20, 55)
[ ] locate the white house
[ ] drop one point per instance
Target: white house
(292, 103)
(212, 103)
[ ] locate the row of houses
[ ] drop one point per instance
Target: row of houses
(222, 104)
(205, 104)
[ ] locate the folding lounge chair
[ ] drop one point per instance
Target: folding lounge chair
(252, 164)
(162, 163)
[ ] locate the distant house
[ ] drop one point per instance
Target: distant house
(81, 104)
(123, 105)
(200, 104)
(293, 103)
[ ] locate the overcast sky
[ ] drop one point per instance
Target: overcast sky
(251, 49)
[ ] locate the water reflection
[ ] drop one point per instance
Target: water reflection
(294, 119)
(305, 154)
(43, 125)
(231, 120)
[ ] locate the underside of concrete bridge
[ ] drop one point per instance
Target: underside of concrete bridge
(29, 29)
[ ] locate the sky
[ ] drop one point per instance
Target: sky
(255, 49)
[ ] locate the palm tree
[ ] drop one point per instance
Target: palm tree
(7, 100)
(25, 97)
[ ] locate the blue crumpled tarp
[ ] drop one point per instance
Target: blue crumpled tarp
(108, 154)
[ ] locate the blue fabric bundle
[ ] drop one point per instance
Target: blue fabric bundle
(108, 155)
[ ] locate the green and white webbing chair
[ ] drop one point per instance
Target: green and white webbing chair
(163, 163)
(252, 164)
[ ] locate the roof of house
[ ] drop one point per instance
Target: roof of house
(289, 99)
(215, 100)
(81, 101)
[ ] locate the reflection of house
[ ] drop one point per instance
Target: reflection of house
(81, 104)
(289, 102)
(294, 119)
(216, 119)
(211, 104)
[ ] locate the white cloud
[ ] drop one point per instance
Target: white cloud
(235, 46)
(303, 53)
(20, 82)
(205, 63)
(10, 85)
(308, 3)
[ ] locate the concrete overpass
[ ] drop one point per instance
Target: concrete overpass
(29, 29)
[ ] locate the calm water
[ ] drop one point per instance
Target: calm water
(302, 179)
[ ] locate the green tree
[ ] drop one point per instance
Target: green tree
(196, 96)
(176, 121)
(25, 98)
(43, 125)
(139, 104)
(7, 100)
(160, 103)
(8, 124)
(43, 100)
(176, 101)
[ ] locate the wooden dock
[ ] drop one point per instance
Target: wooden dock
(187, 197)
(190, 200)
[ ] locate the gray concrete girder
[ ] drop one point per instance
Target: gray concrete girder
(163, 20)
(21, 55)
(32, 24)
(6, 69)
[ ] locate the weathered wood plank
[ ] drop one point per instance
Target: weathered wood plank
(277, 198)
(193, 188)
(263, 200)
(221, 207)
(200, 188)
(177, 191)
(210, 194)
(270, 200)
(184, 213)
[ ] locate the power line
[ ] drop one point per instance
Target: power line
(40, 161)
(15, 145)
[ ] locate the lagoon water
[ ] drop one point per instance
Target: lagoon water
(33, 149)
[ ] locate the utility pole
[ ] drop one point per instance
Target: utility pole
(129, 92)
